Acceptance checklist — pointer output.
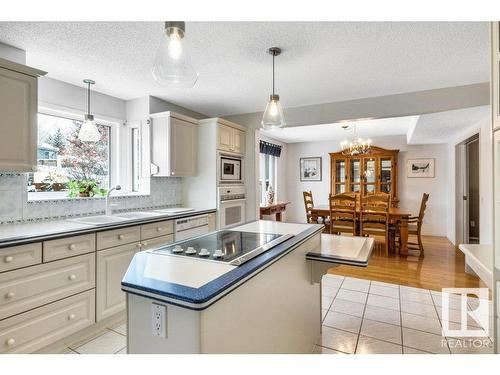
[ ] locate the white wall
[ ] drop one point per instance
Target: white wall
(410, 189)
(485, 181)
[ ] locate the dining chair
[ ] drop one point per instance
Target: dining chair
(374, 216)
(415, 226)
(309, 205)
(343, 213)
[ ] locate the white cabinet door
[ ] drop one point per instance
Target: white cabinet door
(495, 77)
(183, 144)
(111, 267)
(18, 121)
(238, 141)
(225, 138)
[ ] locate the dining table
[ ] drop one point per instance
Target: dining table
(396, 215)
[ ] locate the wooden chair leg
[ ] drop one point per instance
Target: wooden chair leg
(420, 244)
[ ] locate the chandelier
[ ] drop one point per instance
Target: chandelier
(355, 146)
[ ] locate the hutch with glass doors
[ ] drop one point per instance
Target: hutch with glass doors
(373, 172)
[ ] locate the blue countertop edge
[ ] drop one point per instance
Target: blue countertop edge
(22, 240)
(201, 298)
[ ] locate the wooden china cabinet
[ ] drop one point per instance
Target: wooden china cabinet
(373, 172)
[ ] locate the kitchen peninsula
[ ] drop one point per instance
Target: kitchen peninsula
(267, 304)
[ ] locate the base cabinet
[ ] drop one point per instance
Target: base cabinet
(111, 267)
(37, 328)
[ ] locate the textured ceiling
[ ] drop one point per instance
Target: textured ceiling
(321, 62)
(335, 132)
(440, 127)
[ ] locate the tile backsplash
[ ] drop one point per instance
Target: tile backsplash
(14, 205)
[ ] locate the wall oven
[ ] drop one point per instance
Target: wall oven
(230, 170)
(232, 200)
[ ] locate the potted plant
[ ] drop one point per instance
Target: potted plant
(85, 188)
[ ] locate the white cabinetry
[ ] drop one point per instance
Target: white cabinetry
(174, 144)
(18, 120)
(230, 137)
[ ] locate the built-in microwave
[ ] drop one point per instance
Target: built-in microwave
(230, 170)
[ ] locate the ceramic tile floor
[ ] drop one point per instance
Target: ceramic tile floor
(370, 317)
(113, 340)
(359, 317)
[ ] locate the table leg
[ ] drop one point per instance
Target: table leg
(403, 233)
(278, 216)
(261, 216)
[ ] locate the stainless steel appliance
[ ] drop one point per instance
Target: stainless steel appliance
(191, 227)
(233, 247)
(231, 201)
(230, 169)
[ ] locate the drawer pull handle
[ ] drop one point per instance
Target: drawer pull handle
(10, 295)
(10, 342)
(121, 236)
(71, 316)
(8, 259)
(145, 243)
(139, 245)
(72, 246)
(72, 277)
(159, 229)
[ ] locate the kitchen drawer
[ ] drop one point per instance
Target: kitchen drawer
(157, 229)
(35, 329)
(157, 242)
(31, 287)
(15, 257)
(117, 237)
(68, 247)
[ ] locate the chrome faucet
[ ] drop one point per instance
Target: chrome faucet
(108, 208)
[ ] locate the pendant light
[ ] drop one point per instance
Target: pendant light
(88, 131)
(273, 115)
(172, 67)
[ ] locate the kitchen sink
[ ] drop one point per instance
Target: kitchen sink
(99, 220)
(137, 215)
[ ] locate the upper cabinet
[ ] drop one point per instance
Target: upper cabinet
(231, 137)
(174, 140)
(495, 74)
(18, 120)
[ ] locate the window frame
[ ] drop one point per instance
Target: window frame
(115, 167)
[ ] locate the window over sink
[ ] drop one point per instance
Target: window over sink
(63, 160)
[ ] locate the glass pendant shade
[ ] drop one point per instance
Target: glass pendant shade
(88, 131)
(273, 117)
(172, 67)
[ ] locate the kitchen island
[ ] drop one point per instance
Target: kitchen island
(267, 304)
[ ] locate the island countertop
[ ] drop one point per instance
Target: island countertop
(196, 284)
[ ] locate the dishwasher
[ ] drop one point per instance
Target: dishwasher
(191, 227)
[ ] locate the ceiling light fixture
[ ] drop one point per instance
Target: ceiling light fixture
(273, 115)
(89, 132)
(355, 146)
(172, 67)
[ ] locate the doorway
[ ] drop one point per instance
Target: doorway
(467, 193)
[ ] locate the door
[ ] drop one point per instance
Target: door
(386, 178)
(238, 141)
(111, 267)
(369, 175)
(472, 186)
(232, 213)
(225, 138)
(18, 121)
(340, 180)
(355, 175)
(183, 147)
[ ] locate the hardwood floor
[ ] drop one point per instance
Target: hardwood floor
(443, 266)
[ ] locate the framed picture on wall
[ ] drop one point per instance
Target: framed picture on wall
(423, 168)
(310, 169)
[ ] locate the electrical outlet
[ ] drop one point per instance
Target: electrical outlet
(159, 320)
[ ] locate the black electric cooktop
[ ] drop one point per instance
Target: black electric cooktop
(227, 246)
